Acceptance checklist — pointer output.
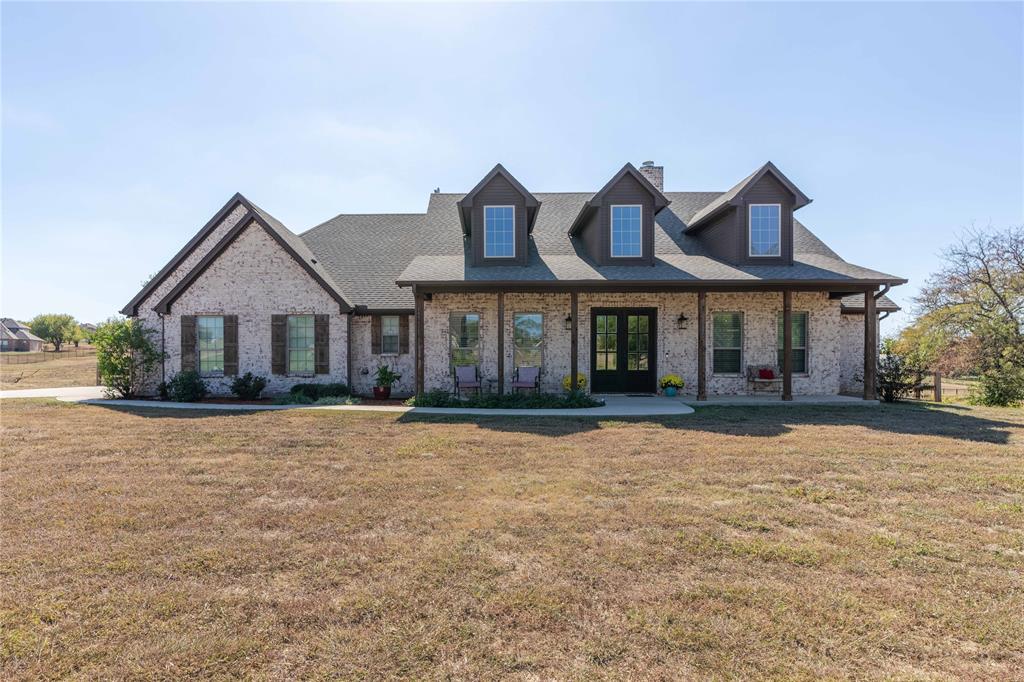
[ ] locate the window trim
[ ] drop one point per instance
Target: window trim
(288, 345)
(750, 230)
(199, 350)
(807, 342)
(512, 206)
(542, 337)
(611, 229)
(743, 341)
(479, 337)
(397, 336)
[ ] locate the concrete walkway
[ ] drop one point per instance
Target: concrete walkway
(615, 405)
(769, 399)
(63, 393)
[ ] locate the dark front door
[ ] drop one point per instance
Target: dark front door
(623, 350)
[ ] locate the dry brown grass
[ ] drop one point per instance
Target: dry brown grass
(65, 371)
(735, 543)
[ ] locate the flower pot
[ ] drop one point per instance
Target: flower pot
(670, 391)
(381, 392)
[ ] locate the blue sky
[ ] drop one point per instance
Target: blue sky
(126, 126)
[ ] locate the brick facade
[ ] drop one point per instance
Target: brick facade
(365, 362)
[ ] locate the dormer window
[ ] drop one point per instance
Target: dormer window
(627, 235)
(765, 230)
(499, 232)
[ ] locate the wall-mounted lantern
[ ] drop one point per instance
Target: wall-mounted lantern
(682, 321)
(568, 322)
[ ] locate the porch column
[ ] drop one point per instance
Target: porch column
(702, 345)
(501, 343)
(419, 341)
(870, 345)
(574, 342)
(787, 345)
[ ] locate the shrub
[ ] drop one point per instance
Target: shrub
(125, 356)
(329, 400)
(440, 398)
(248, 386)
(581, 382)
(1000, 386)
(895, 377)
(187, 387)
(316, 391)
(293, 399)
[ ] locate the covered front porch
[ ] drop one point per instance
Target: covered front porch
(656, 332)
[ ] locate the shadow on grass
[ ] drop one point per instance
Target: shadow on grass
(764, 421)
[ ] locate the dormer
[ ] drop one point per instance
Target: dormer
(752, 223)
(497, 218)
(616, 225)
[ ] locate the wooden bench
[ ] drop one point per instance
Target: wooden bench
(764, 385)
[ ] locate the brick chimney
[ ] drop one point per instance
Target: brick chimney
(655, 174)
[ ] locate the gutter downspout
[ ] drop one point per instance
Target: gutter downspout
(163, 348)
(884, 290)
(348, 348)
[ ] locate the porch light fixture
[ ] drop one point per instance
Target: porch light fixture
(568, 322)
(681, 321)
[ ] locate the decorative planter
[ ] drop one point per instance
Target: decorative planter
(381, 392)
(670, 391)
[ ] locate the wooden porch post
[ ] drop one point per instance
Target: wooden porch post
(870, 345)
(419, 341)
(501, 343)
(574, 342)
(702, 345)
(787, 345)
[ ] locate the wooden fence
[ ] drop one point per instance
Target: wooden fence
(933, 386)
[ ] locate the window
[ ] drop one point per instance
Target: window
(389, 334)
(210, 331)
(300, 344)
(528, 333)
(606, 338)
(626, 233)
(765, 230)
(637, 339)
(799, 342)
(727, 340)
(464, 331)
(499, 231)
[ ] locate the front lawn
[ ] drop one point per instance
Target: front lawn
(67, 368)
(797, 543)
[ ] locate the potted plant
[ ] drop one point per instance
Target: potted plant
(383, 382)
(671, 383)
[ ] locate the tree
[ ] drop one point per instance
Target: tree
(125, 356)
(977, 300)
(57, 328)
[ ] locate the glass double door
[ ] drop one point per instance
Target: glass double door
(623, 350)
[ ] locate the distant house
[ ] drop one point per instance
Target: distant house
(15, 336)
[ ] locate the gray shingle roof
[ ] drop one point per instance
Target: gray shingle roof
(366, 254)
(855, 302)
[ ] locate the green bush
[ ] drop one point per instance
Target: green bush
(293, 399)
(330, 400)
(1000, 386)
(187, 387)
(248, 386)
(125, 356)
(316, 391)
(896, 377)
(525, 401)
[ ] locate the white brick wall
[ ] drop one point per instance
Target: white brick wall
(677, 349)
(364, 362)
(253, 278)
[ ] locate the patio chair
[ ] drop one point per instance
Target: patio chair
(466, 376)
(764, 378)
(526, 378)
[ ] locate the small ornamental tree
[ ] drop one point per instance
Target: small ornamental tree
(896, 374)
(124, 356)
(57, 328)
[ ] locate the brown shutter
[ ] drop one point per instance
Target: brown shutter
(375, 334)
(403, 334)
(278, 340)
(230, 345)
(321, 344)
(188, 343)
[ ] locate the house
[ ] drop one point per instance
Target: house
(14, 336)
(620, 286)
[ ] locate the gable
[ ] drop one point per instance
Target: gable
(252, 266)
(189, 256)
(287, 242)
